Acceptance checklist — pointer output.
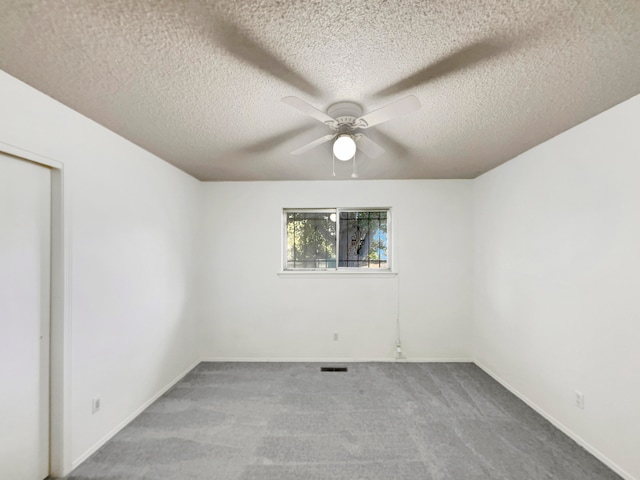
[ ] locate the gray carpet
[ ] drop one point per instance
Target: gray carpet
(378, 421)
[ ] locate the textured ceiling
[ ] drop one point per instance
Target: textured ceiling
(199, 83)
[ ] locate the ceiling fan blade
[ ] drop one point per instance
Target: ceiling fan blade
(463, 58)
(242, 46)
(310, 110)
(313, 144)
(401, 107)
(392, 145)
(370, 148)
(275, 141)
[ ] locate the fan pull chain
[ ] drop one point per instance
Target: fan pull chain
(334, 162)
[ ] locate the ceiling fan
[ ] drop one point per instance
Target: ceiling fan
(345, 120)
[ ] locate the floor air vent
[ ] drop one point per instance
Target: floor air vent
(333, 369)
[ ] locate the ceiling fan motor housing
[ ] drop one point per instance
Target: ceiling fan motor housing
(345, 113)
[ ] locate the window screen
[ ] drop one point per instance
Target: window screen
(311, 240)
(363, 239)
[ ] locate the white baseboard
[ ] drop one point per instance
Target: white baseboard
(293, 359)
(335, 360)
(437, 360)
(559, 425)
(130, 418)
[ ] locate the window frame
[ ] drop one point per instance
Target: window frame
(337, 269)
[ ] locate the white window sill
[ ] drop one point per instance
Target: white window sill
(337, 273)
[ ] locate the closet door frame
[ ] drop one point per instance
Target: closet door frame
(60, 462)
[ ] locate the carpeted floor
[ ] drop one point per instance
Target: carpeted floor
(378, 421)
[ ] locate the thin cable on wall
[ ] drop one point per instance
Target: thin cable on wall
(399, 354)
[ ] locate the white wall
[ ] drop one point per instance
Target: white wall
(557, 264)
(132, 224)
(251, 312)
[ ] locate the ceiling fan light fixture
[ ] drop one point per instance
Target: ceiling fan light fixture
(344, 147)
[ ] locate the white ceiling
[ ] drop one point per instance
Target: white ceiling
(199, 82)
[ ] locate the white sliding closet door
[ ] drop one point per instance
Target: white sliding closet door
(25, 251)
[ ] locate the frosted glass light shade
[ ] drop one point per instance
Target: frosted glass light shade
(344, 148)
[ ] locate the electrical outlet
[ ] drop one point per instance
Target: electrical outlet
(580, 400)
(95, 405)
(335, 336)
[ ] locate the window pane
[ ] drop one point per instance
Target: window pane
(311, 240)
(363, 239)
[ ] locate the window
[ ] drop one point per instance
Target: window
(336, 239)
